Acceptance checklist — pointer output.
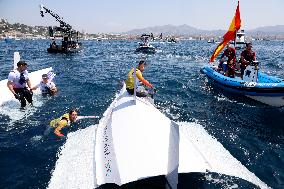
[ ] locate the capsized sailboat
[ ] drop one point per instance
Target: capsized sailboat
(253, 83)
(135, 142)
(6, 97)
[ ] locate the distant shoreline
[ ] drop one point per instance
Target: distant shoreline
(183, 32)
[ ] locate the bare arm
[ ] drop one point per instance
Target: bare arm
(34, 88)
(29, 83)
(144, 81)
(10, 86)
(61, 124)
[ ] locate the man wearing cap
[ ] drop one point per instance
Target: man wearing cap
(130, 80)
(18, 80)
(247, 56)
(46, 86)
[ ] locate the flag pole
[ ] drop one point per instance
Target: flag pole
(235, 39)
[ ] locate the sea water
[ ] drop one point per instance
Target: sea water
(252, 132)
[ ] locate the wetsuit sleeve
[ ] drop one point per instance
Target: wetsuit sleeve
(144, 81)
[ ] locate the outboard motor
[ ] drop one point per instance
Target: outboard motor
(251, 72)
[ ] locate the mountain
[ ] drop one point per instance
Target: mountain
(185, 30)
(268, 30)
(182, 30)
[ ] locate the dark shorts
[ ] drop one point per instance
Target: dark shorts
(138, 93)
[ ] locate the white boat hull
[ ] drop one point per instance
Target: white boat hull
(277, 101)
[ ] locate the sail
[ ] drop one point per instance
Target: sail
(230, 35)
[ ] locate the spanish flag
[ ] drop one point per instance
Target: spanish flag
(230, 35)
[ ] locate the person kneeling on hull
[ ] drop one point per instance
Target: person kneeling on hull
(130, 80)
(61, 122)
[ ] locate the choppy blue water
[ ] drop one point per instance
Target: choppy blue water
(252, 132)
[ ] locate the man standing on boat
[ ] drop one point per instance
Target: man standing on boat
(247, 56)
(230, 53)
(130, 80)
(18, 80)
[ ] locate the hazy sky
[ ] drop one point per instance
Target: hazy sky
(95, 16)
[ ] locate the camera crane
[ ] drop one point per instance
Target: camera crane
(67, 31)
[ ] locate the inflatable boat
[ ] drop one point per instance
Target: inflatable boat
(253, 84)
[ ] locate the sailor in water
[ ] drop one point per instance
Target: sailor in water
(46, 86)
(130, 80)
(64, 121)
(18, 80)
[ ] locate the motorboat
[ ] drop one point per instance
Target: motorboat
(144, 46)
(135, 144)
(69, 38)
(65, 47)
(253, 84)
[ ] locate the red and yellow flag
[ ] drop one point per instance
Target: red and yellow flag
(230, 35)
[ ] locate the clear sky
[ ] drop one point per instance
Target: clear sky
(108, 16)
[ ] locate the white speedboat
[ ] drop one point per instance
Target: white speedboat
(134, 141)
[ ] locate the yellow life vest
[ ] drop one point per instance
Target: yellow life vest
(54, 123)
(130, 79)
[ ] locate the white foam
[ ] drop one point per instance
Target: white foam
(75, 166)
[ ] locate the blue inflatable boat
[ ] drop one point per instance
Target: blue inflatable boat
(254, 84)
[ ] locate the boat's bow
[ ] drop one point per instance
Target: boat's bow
(134, 141)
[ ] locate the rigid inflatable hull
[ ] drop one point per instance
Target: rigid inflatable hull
(269, 90)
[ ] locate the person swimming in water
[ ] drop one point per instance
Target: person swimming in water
(46, 86)
(64, 121)
(61, 122)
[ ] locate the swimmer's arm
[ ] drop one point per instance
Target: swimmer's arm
(86, 117)
(61, 124)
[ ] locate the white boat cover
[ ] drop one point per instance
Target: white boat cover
(132, 142)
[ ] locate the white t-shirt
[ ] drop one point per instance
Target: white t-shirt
(16, 79)
(45, 87)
